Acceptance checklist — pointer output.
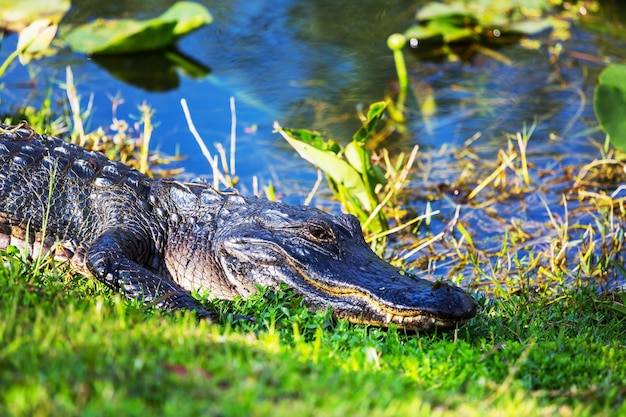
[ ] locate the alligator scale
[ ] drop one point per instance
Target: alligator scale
(156, 240)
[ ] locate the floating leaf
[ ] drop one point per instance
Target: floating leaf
(453, 13)
(484, 22)
(452, 33)
(35, 39)
(437, 32)
(129, 35)
(188, 17)
(609, 103)
(424, 33)
(16, 15)
(530, 27)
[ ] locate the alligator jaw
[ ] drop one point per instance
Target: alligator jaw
(383, 315)
(422, 305)
(359, 287)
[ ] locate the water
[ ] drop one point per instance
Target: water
(280, 60)
(312, 64)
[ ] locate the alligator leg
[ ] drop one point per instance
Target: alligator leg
(111, 261)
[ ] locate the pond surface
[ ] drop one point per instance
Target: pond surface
(281, 60)
(312, 64)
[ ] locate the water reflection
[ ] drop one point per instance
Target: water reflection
(138, 70)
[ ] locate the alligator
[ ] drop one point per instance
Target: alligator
(158, 240)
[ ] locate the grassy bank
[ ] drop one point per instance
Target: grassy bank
(68, 347)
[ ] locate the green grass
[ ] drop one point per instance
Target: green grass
(70, 347)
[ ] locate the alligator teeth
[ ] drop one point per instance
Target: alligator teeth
(389, 317)
(401, 320)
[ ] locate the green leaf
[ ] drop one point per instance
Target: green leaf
(374, 114)
(528, 27)
(354, 156)
(121, 36)
(315, 139)
(35, 39)
(188, 17)
(360, 157)
(129, 35)
(609, 104)
(451, 32)
(339, 170)
(16, 15)
(357, 155)
(454, 13)
(37, 21)
(424, 33)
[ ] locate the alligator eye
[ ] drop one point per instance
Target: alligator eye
(320, 233)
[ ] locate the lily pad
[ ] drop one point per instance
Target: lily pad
(452, 33)
(17, 15)
(35, 40)
(424, 34)
(609, 104)
(36, 21)
(130, 35)
(530, 27)
(457, 23)
(455, 14)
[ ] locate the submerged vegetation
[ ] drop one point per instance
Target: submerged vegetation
(494, 240)
(462, 28)
(549, 339)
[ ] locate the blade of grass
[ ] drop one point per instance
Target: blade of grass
(505, 162)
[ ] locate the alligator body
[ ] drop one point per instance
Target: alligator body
(156, 240)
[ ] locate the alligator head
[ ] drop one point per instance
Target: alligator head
(326, 259)
(234, 243)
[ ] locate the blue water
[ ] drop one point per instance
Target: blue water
(278, 59)
(312, 64)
